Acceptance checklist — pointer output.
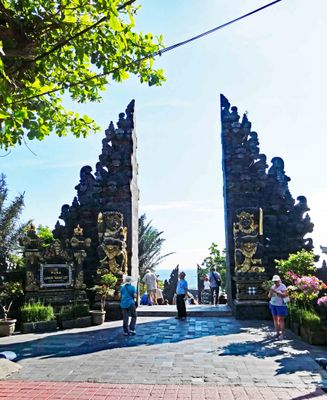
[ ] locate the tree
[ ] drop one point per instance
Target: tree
(46, 233)
(150, 244)
(300, 263)
(217, 260)
(50, 48)
(10, 229)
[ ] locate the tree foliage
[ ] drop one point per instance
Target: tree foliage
(150, 245)
(49, 48)
(10, 228)
(300, 263)
(46, 233)
(215, 259)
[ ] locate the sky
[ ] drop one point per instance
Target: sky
(272, 65)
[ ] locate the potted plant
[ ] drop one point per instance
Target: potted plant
(75, 316)
(104, 290)
(9, 291)
(38, 318)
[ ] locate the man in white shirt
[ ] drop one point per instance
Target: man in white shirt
(150, 281)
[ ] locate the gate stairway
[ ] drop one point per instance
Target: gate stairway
(200, 310)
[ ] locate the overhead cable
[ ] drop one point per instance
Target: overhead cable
(150, 55)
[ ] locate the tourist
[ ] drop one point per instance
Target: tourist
(127, 304)
(215, 281)
(277, 305)
(150, 280)
(159, 295)
(206, 285)
(181, 291)
(144, 299)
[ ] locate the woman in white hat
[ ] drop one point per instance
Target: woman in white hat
(277, 305)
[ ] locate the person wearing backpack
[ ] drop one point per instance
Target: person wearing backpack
(215, 281)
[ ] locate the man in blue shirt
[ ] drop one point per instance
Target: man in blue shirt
(181, 292)
(127, 304)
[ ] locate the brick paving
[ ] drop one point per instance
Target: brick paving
(202, 358)
(18, 390)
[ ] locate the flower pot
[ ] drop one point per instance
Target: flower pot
(80, 322)
(7, 327)
(98, 317)
(39, 327)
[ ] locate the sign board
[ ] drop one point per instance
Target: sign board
(55, 275)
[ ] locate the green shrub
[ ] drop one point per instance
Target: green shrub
(73, 311)
(37, 312)
(295, 312)
(81, 310)
(300, 263)
(309, 319)
(109, 280)
(66, 313)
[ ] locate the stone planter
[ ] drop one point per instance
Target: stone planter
(39, 327)
(98, 317)
(295, 327)
(81, 322)
(313, 337)
(7, 328)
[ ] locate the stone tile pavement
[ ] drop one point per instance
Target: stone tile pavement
(201, 356)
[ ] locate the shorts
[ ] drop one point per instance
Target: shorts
(278, 311)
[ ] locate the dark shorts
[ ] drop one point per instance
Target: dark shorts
(278, 311)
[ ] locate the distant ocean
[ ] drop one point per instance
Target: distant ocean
(191, 276)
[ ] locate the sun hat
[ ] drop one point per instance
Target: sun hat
(128, 279)
(276, 278)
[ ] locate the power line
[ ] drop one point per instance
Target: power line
(150, 55)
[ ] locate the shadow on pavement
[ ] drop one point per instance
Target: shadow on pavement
(168, 330)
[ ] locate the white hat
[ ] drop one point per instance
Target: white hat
(128, 279)
(276, 278)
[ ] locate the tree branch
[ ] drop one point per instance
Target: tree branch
(66, 41)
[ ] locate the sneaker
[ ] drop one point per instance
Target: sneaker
(125, 333)
(183, 318)
(281, 337)
(132, 332)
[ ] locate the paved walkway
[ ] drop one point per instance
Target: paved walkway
(201, 358)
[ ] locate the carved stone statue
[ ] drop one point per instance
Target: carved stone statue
(78, 245)
(112, 249)
(32, 253)
(247, 243)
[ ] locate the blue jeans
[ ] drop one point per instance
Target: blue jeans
(130, 311)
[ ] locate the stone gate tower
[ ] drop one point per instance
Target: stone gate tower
(263, 222)
(106, 205)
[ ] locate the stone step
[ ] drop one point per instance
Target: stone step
(201, 310)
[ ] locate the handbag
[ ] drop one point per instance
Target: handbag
(286, 300)
(135, 301)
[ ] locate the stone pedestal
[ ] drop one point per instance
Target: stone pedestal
(251, 309)
(114, 311)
